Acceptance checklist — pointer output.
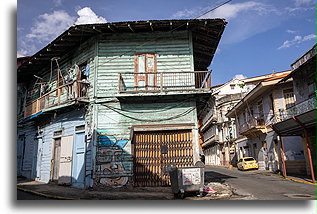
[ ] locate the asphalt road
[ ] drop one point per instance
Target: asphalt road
(21, 195)
(248, 185)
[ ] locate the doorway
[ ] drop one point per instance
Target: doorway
(55, 162)
(155, 151)
(78, 165)
(145, 77)
(20, 153)
(39, 158)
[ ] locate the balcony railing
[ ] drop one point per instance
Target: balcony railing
(163, 81)
(66, 93)
(297, 109)
(230, 98)
(253, 123)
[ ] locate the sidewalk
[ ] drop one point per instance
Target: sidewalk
(68, 193)
(289, 177)
(137, 193)
(270, 173)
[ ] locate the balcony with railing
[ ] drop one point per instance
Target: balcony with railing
(298, 109)
(65, 94)
(210, 136)
(253, 127)
(230, 98)
(159, 82)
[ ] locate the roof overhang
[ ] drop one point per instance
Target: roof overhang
(291, 127)
(252, 95)
(206, 34)
(308, 59)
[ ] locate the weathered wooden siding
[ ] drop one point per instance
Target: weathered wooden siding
(116, 54)
(26, 150)
(65, 122)
(115, 120)
(85, 52)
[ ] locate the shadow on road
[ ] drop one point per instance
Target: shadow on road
(211, 176)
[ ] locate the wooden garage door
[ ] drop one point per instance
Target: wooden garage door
(155, 151)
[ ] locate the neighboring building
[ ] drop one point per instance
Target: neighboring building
(299, 118)
(218, 130)
(255, 114)
(115, 103)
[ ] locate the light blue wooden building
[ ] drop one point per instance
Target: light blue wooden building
(115, 103)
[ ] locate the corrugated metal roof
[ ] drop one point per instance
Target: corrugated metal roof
(206, 36)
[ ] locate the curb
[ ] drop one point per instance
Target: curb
(278, 176)
(291, 179)
(306, 182)
(46, 195)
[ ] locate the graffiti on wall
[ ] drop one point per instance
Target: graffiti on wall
(113, 163)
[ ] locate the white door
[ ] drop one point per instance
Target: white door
(39, 158)
(65, 167)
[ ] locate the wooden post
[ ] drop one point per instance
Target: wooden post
(308, 149)
(283, 156)
(161, 81)
(309, 157)
(59, 95)
(119, 83)
(237, 123)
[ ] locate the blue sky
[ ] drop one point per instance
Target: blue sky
(261, 35)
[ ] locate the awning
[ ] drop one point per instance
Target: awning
(291, 127)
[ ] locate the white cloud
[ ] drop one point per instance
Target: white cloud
(229, 11)
(301, 5)
(57, 3)
(249, 18)
(297, 40)
(291, 31)
(185, 13)
(48, 26)
(309, 37)
(245, 19)
(87, 16)
(26, 47)
(303, 2)
(239, 76)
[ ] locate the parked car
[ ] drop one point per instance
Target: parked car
(247, 163)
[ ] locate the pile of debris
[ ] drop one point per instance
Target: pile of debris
(214, 191)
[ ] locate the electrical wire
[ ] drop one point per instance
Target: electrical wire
(157, 120)
(154, 111)
(157, 37)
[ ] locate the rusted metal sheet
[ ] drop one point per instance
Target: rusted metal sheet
(154, 152)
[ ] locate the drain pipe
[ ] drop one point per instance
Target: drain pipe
(308, 149)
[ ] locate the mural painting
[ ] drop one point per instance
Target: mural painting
(113, 163)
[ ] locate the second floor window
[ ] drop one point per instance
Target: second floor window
(260, 110)
(145, 71)
(289, 99)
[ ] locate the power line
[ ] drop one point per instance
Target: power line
(155, 38)
(155, 110)
(157, 120)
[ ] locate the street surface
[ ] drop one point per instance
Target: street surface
(249, 185)
(21, 195)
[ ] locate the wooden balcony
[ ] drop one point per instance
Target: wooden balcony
(253, 128)
(138, 82)
(66, 93)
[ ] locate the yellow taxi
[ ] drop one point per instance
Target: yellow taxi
(247, 163)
